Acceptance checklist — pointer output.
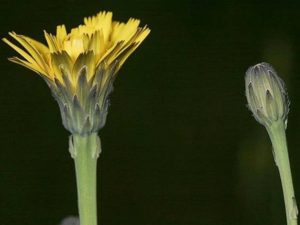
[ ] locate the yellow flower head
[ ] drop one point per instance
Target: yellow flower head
(80, 66)
(98, 40)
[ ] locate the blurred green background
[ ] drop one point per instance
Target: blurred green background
(179, 146)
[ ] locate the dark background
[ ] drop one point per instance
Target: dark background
(179, 146)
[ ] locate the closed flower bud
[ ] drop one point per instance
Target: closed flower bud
(266, 94)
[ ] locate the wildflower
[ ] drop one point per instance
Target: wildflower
(80, 66)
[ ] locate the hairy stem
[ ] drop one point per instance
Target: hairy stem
(85, 151)
(277, 134)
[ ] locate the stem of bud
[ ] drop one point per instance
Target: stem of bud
(278, 138)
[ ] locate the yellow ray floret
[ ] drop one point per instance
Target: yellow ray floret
(98, 40)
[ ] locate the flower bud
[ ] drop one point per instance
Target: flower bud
(266, 94)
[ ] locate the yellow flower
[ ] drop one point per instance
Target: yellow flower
(98, 40)
(80, 66)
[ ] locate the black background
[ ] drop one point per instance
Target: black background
(179, 145)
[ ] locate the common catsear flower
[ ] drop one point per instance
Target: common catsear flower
(80, 66)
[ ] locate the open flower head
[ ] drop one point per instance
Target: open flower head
(266, 94)
(80, 66)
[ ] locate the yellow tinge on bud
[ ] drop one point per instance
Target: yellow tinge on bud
(266, 94)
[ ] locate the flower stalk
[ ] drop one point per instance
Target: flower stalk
(281, 156)
(85, 151)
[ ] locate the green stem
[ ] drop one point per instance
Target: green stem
(277, 134)
(85, 151)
